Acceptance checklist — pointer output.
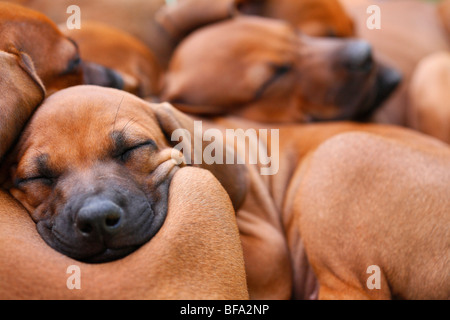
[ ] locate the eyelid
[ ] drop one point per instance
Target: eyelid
(20, 181)
(128, 150)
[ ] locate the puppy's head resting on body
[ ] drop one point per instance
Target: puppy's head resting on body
(55, 57)
(264, 70)
(93, 167)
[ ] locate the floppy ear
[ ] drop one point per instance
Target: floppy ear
(233, 177)
(21, 92)
(187, 15)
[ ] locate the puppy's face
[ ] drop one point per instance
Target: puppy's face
(93, 168)
(265, 70)
(56, 57)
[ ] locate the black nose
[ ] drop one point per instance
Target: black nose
(99, 218)
(357, 56)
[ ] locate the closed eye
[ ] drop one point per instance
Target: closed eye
(20, 182)
(279, 71)
(127, 152)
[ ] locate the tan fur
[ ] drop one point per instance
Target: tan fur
(430, 96)
(135, 17)
(389, 211)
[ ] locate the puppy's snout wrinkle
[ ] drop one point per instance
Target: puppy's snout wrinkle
(99, 218)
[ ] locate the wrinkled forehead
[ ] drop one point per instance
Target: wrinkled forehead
(85, 122)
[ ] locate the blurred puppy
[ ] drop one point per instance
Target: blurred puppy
(133, 16)
(261, 69)
(55, 57)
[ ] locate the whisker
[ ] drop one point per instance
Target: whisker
(117, 112)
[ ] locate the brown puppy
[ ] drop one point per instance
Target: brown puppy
(134, 16)
(142, 19)
(194, 234)
(55, 57)
(89, 213)
(118, 50)
(81, 193)
(263, 70)
(430, 96)
(320, 18)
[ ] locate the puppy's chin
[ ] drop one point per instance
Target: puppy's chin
(110, 255)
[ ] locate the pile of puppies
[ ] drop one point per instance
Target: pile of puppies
(87, 117)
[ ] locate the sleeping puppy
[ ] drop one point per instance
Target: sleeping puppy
(133, 16)
(94, 166)
(429, 96)
(101, 190)
(55, 57)
(263, 70)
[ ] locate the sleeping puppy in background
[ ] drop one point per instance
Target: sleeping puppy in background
(55, 57)
(263, 70)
